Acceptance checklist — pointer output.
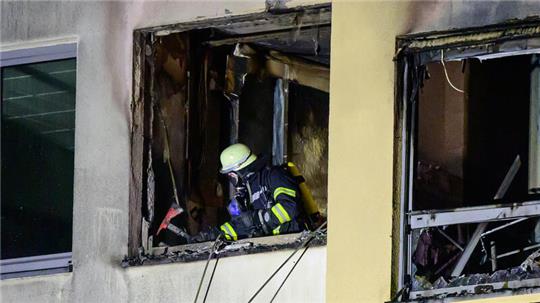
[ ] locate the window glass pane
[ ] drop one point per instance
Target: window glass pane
(38, 124)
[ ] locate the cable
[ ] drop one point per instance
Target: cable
(272, 276)
(305, 243)
(446, 74)
(214, 247)
(290, 272)
(211, 278)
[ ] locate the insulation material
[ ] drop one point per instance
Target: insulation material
(308, 138)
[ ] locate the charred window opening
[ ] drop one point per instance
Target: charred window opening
(468, 167)
(260, 79)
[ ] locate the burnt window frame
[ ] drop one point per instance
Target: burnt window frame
(413, 51)
(273, 21)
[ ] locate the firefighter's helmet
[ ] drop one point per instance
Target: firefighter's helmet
(235, 158)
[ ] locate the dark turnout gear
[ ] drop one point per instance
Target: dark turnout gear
(271, 202)
(267, 199)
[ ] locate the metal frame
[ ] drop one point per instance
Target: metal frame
(402, 262)
(29, 266)
(38, 54)
(413, 51)
(477, 214)
(52, 263)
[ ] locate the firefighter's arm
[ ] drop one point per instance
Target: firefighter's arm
(245, 225)
(264, 221)
(285, 194)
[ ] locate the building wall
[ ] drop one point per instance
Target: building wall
(442, 143)
(360, 162)
(236, 279)
(361, 132)
(104, 31)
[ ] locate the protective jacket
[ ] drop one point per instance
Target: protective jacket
(272, 204)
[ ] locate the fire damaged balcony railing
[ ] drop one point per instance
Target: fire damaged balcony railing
(525, 275)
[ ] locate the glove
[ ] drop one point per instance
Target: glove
(209, 234)
(247, 224)
(234, 208)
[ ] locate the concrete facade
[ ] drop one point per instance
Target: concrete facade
(361, 132)
(104, 32)
(356, 264)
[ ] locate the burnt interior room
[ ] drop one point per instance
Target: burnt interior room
(477, 147)
(212, 86)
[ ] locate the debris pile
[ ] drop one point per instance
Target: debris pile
(529, 269)
(200, 251)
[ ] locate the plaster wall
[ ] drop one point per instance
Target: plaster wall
(361, 132)
(441, 119)
(236, 280)
(104, 33)
(360, 160)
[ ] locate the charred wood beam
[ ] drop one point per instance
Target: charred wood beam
(290, 68)
(137, 146)
(281, 34)
(254, 23)
(529, 27)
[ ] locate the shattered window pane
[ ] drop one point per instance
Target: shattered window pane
(473, 208)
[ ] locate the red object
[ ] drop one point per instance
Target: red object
(174, 211)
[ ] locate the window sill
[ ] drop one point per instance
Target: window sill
(200, 251)
(36, 265)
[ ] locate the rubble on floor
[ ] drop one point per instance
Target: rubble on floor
(529, 269)
(200, 251)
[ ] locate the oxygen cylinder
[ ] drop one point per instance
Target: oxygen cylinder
(311, 208)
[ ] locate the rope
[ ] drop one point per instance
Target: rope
(211, 278)
(305, 243)
(446, 74)
(290, 272)
(214, 248)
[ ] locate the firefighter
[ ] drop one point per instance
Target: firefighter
(266, 201)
